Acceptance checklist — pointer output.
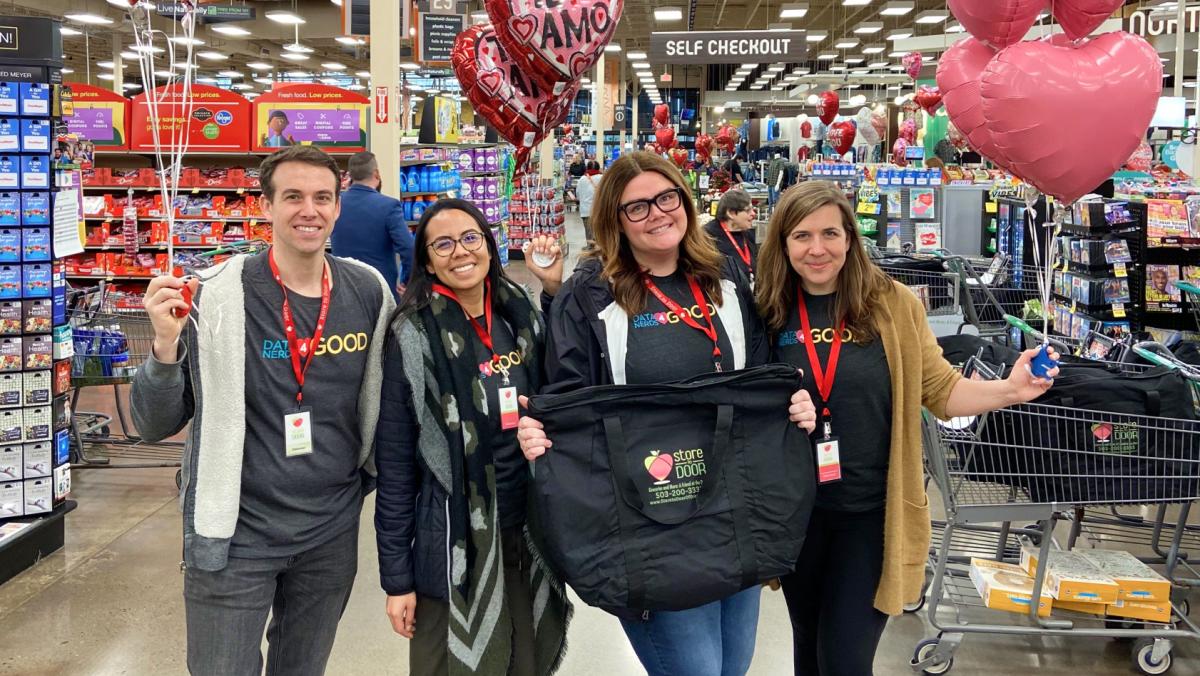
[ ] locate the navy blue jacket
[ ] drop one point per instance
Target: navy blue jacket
(371, 229)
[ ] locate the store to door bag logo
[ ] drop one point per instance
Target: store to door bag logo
(1116, 438)
(678, 475)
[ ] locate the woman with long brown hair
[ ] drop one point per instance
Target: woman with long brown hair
(654, 302)
(870, 362)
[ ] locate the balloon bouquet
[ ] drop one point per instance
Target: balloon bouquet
(1061, 113)
(519, 75)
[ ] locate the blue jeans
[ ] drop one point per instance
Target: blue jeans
(713, 640)
(772, 195)
(305, 595)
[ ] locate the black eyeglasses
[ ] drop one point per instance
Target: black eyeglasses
(444, 246)
(666, 201)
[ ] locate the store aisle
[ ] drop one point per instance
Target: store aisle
(111, 603)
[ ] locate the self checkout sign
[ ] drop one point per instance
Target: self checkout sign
(728, 47)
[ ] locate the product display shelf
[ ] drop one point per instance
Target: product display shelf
(38, 537)
(871, 210)
(1171, 241)
(914, 216)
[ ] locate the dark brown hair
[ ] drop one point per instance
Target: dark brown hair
(311, 155)
(698, 255)
(861, 285)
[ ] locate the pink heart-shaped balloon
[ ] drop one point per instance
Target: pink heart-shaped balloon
(913, 62)
(958, 74)
(1079, 18)
(1066, 118)
(841, 135)
(999, 23)
(898, 152)
(516, 106)
(908, 130)
(879, 122)
(555, 41)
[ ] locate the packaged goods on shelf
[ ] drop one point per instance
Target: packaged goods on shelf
(1004, 586)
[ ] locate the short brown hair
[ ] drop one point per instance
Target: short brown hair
(734, 199)
(861, 285)
(698, 255)
(310, 155)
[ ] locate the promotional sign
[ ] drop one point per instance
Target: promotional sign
(728, 47)
(219, 120)
(446, 112)
(100, 116)
(437, 32)
(381, 105)
(311, 114)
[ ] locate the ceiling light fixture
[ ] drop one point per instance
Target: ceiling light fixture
(954, 27)
(899, 34)
(668, 14)
(68, 32)
(855, 3)
(873, 49)
(333, 66)
(105, 76)
(641, 66)
(897, 8)
(148, 49)
(363, 73)
(89, 18)
(827, 56)
(854, 59)
(868, 27)
(212, 56)
(294, 56)
(229, 74)
(231, 31)
(846, 43)
(793, 10)
(932, 16)
(258, 65)
(350, 40)
(184, 40)
(68, 71)
(816, 36)
(284, 17)
(612, 48)
(408, 65)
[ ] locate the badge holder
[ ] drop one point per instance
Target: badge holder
(297, 432)
(829, 459)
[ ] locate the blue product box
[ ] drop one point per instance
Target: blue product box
(10, 281)
(35, 99)
(10, 171)
(35, 135)
(35, 208)
(10, 134)
(10, 97)
(35, 172)
(35, 280)
(10, 208)
(60, 304)
(35, 245)
(62, 447)
(10, 245)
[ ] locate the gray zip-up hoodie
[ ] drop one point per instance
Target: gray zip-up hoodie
(215, 350)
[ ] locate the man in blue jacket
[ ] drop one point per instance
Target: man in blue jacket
(371, 228)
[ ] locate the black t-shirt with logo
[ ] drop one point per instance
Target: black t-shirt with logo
(662, 348)
(860, 404)
(292, 504)
(512, 471)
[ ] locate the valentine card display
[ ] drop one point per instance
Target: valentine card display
(310, 114)
(100, 116)
(521, 110)
(217, 120)
(555, 42)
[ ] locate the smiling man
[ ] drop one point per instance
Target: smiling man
(277, 362)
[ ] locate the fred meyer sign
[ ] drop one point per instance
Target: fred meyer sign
(728, 46)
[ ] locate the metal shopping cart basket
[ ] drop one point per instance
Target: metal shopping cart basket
(928, 276)
(1030, 464)
(112, 337)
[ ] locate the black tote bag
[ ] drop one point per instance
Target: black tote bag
(670, 496)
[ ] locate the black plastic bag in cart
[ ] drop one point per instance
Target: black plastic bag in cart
(1097, 436)
(671, 496)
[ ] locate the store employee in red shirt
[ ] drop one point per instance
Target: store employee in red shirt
(733, 230)
(276, 363)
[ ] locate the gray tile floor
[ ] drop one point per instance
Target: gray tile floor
(110, 603)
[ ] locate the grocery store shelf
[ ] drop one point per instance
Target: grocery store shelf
(110, 278)
(421, 194)
(183, 219)
(150, 247)
(146, 188)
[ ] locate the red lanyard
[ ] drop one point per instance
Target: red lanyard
(484, 332)
(823, 375)
(743, 254)
(686, 317)
(309, 347)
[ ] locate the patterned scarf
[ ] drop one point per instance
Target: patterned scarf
(480, 628)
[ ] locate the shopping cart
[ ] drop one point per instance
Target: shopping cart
(927, 276)
(1003, 468)
(112, 337)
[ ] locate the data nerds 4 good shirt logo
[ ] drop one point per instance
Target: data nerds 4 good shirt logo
(648, 320)
(678, 476)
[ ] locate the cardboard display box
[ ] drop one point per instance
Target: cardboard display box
(1003, 586)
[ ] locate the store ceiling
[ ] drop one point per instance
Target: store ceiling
(872, 62)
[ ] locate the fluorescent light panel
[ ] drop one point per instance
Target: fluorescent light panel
(896, 8)
(668, 14)
(794, 10)
(231, 31)
(932, 16)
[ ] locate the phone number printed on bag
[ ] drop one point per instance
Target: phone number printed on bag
(667, 469)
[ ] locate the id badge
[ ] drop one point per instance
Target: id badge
(297, 433)
(829, 462)
(509, 414)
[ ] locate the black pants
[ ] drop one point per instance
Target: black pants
(831, 596)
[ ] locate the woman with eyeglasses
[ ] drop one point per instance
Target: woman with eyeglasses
(733, 230)
(654, 302)
(466, 342)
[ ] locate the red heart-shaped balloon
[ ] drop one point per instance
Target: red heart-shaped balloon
(840, 136)
(1032, 96)
(665, 136)
(958, 77)
(518, 108)
(679, 156)
(555, 41)
(929, 98)
(827, 105)
(704, 144)
(662, 115)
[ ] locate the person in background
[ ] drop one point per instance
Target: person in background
(279, 369)
(734, 167)
(733, 230)
(578, 167)
(371, 227)
(585, 189)
(465, 343)
(775, 177)
(945, 151)
(653, 260)
(870, 362)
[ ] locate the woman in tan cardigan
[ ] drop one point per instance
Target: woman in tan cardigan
(870, 362)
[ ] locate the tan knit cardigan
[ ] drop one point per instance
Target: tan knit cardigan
(920, 377)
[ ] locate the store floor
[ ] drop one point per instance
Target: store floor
(110, 602)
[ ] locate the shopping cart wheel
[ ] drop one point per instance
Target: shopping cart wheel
(178, 479)
(917, 605)
(1143, 657)
(925, 650)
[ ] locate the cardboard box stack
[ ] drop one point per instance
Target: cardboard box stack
(1103, 583)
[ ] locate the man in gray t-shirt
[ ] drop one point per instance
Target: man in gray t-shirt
(278, 370)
